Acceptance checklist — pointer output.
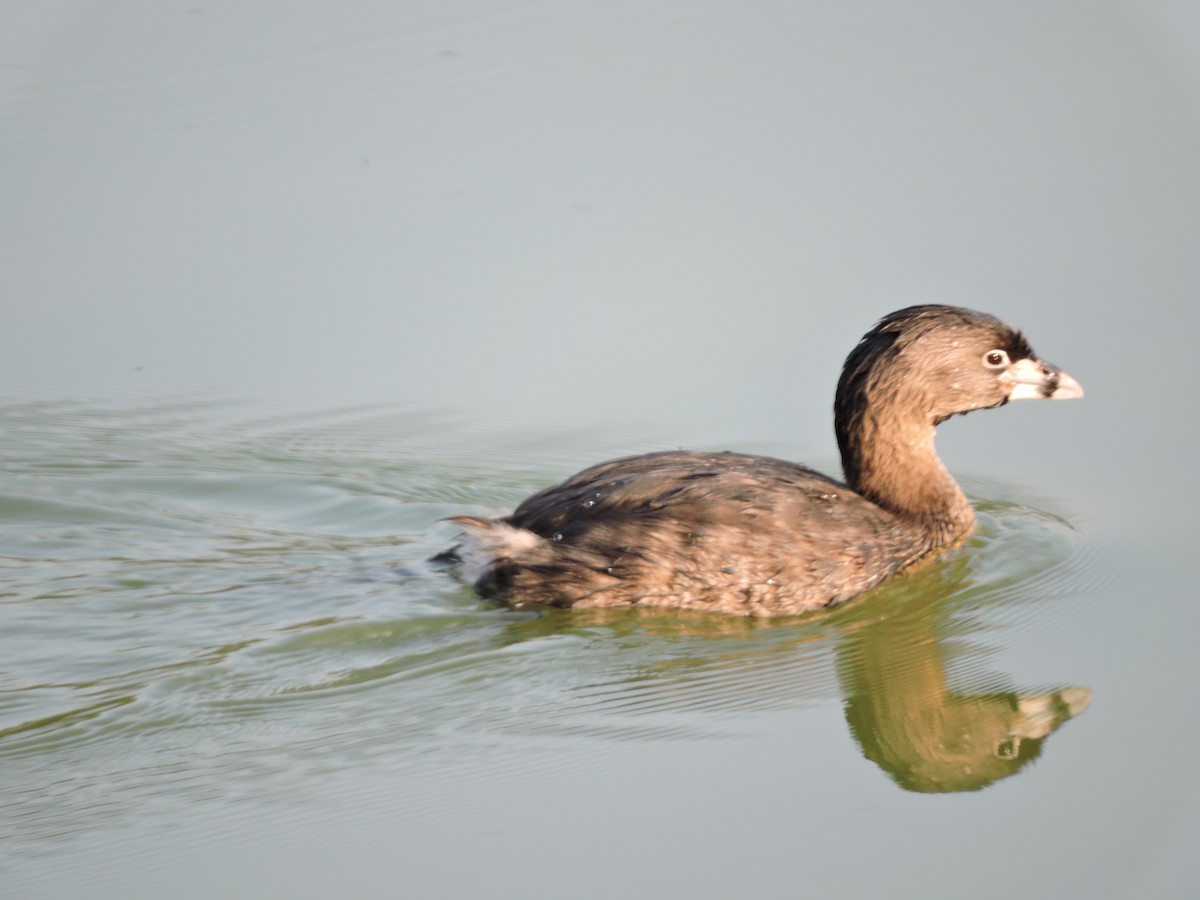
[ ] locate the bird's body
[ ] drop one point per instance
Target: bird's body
(757, 536)
(694, 530)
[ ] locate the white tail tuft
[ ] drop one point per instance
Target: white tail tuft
(487, 540)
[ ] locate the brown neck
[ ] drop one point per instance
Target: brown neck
(894, 464)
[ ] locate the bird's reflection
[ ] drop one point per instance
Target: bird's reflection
(927, 736)
(892, 650)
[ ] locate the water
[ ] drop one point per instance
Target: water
(219, 614)
(282, 288)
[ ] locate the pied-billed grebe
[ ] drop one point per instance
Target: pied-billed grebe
(763, 537)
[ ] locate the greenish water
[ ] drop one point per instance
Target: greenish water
(206, 614)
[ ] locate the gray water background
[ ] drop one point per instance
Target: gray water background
(284, 284)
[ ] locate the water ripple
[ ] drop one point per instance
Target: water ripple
(203, 602)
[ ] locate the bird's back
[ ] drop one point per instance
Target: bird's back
(723, 532)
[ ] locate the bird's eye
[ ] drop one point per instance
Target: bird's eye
(1008, 749)
(994, 359)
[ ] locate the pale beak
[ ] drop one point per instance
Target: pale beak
(1033, 379)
